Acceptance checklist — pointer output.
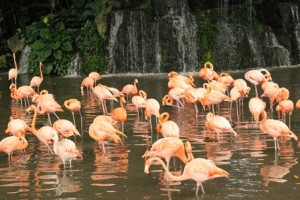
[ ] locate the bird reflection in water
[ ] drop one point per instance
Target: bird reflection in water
(281, 166)
(110, 166)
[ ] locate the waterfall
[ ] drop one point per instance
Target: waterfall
(75, 66)
(275, 54)
(296, 31)
(23, 63)
(142, 43)
(115, 24)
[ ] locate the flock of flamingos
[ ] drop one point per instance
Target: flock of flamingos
(182, 91)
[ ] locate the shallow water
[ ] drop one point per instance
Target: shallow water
(249, 158)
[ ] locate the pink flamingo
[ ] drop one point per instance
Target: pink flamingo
(130, 89)
(65, 128)
(36, 81)
(199, 170)
(87, 82)
(13, 72)
(275, 128)
(170, 147)
(23, 92)
(257, 77)
(166, 127)
(284, 107)
(256, 107)
(139, 101)
(219, 124)
(207, 72)
(95, 76)
(103, 94)
(11, 144)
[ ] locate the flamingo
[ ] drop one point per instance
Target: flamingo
(36, 81)
(170, 147)
(281, 94)
(166, 127)
(285, 106)
(256, 107)
(275, 128)
(226, 79)
(13, 72)
(22, 92)
(207, 72)
(65, 149)
(95, 76)
(199, 170)
(152, 107)
(120, 114)
(298, 105)
(269, 90)
(87, 82)
(256, 77)
(73, 105)
(43, 134)
(219, 124)
(65, 128)
(176, 80)
(47, 104)
(102, 130)
(102, 93)
(192, 95)
(12, 143)
(130, 89)
(17, 127)
(174, 94)
(139, 101)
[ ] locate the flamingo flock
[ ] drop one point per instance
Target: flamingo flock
(218, 89)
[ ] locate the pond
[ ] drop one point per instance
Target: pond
(249, 158)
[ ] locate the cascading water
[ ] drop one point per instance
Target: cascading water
(296, 32)
(142, 43)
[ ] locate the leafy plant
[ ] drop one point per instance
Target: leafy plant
(208, 34)
(50, 42)
(93, 48)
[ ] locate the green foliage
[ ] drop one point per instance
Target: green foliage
(208, 34)
(92, 47)
(51, 43)
(16, 43)
(3, 63)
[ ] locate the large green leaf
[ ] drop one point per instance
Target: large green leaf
(55, 44)
(67, 46)
(60, 26)
(57, 54)
(44, 54)
(45, 33)
(38, 44)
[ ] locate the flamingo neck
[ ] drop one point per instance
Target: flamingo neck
(15, 62)
(41, 71)
(169, 174)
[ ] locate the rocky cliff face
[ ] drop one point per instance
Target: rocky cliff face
(168, 38)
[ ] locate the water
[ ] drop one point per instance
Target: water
(119, 173)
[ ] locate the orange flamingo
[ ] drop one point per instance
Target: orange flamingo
(199, 170)
(65, 128)
(284, 107)
(219, 124)
(256, 107)
(139, 101)
(36, 81)
(66, 150)
(225, 78)
(87, 82)
(256, 77)
(13, 72)
(166, 127)
(298, 105)
(192, 95)
(95, 76)
(275, 128)
(170, 147)
(43, 134)
(120, 114)
(11, 144)
(176, 80)
(213, 97)
(207, 72)
(130, 89)
(280, 95)
(102, 130)
(73, 105)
